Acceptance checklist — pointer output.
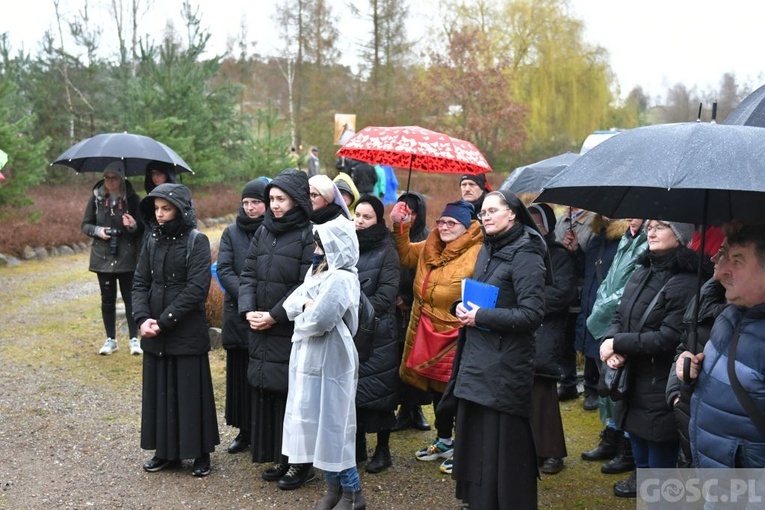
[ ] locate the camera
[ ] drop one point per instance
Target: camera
(114, 241)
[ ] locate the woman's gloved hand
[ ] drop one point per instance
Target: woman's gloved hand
(400, 213)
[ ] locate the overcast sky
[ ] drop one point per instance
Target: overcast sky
(653, 43)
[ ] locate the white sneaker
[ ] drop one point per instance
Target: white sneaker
(109, 347)
(135, 346)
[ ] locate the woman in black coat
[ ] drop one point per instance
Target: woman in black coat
(495, 462)
(178, 417)
(279, 257)
(546, 421)
(234, 243)
(646, 337)
(111, 220)
(377, 392)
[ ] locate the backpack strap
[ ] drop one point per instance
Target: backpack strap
(192, 237)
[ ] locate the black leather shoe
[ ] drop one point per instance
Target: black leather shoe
(156, 464)
(273, 474)
(418, 419)
(590, 402)
(567, 393)
(297, 476)
(403, 420)
(240, 443)
(626, 488)
(552, 466)
(608, 446)
(201, 466)
(381, 461)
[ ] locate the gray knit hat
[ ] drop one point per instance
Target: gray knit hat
(683, 231)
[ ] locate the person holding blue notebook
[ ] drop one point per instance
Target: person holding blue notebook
(495, 458)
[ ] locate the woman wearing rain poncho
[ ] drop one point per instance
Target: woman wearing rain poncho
(320, 418)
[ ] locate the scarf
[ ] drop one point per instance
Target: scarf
(325, 214)
(372, 237)
(293, 219)
(247, 224)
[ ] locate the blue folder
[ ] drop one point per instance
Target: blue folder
(479, 293)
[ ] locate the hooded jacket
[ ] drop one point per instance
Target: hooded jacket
(103, 212)
(651, 350)
(278, 258)
(320, 416)
(170, 284)
(148, 183)
(444, 266)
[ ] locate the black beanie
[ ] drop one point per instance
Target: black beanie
(254, 189)
(376, 204)
(479, 179)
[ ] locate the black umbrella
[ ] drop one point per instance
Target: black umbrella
(750, 112)
(689, 172)
(136, 151)
(532, 178)
(698, 173)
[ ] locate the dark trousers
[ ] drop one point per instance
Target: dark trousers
(108, 283)
(568, 355)
(591, 375)
(444, 419)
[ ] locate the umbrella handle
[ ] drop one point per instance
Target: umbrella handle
(687, 370)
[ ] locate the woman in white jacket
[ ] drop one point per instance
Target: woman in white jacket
(320, 418)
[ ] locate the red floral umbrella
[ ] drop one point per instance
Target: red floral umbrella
(415, 148)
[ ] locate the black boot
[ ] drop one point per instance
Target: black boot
(352, 501)
(331, 497)
(418, 420)
(606, 449)
(274, 473)
(623, 461)
(626, 488)
(403, 419)
(381, 460)
(297, 476)
(240, 443)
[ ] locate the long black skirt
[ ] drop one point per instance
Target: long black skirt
(495, 463)
(373, 420)
(268, 410)
(546, 422)
(178, 417)
(238, 397)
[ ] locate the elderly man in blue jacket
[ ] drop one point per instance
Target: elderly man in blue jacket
(729, 396)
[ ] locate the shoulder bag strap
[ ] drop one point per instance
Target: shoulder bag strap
(741, 395)
(650, 307)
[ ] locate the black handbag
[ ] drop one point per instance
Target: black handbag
(614, 382)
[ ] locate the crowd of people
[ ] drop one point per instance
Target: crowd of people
(303, 250)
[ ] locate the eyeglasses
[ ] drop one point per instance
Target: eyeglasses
(490, 212)
(658, 228)
(251, 203)
(447, 223)
(313, 195)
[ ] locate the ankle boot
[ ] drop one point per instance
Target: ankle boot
(418, 419)
(403, 419)
(352, 501)
(623, 461)
(331, 497)
(381, 460)
(607, 448)
(297, 476)
(626, 488)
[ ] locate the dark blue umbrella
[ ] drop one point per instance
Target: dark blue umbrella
(532, 178)
(750, 112)
(135, 151)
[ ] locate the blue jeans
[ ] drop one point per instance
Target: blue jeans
(652, 454)
(347, 478)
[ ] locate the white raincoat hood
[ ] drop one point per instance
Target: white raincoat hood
(341, 244)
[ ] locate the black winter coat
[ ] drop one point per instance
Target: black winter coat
(100, 213)
(651, 351)
(559, 295)
(378, 268)
(232, 251)
(497, 366)
(277, 261)
(170, 285)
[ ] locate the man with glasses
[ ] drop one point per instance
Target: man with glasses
(728, 378)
